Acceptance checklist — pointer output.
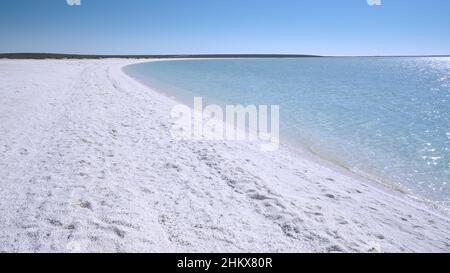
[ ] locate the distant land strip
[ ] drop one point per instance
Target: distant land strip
(182, 56)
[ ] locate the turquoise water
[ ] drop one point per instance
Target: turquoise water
(386, 118)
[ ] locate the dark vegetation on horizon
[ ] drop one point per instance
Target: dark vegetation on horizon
(178, 56)
(81, 56)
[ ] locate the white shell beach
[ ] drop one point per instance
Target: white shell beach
(88, 164)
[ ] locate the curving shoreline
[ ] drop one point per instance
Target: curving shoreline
(88, 159)
(293, 145)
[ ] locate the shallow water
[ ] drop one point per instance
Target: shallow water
(386, 118)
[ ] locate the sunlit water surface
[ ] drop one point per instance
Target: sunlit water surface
(386, 118)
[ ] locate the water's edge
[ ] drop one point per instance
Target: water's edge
(309, 153)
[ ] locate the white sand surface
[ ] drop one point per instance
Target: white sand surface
(87, 164)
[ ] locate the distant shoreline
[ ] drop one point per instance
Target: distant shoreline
(172, 56)
(39, 56)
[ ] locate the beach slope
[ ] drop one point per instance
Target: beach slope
(88, 165)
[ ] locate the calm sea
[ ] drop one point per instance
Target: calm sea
(386, 118)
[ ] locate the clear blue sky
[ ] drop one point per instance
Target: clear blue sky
(327, 27)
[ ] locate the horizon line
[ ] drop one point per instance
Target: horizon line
(45, 55)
